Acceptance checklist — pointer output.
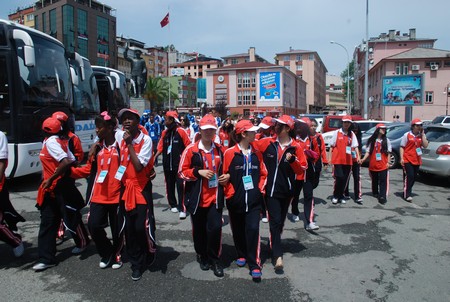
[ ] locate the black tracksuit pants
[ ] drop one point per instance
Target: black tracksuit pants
(341, 174)
(278, 209)
(173, 183)
(379, 183)
(245, 228)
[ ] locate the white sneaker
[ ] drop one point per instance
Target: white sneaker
(265, 220)
(409, 199)
(117, 264)
(42, 266)
(359, 200)
(182, 215)
(343, 201)
(312, 227)
(104, 262)
(334, 200)
(295, 218)
(174, 210)
(19, 250)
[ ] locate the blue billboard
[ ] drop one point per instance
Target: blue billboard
(404, 90)
(269, 86)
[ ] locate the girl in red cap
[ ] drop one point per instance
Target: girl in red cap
(103, 192)
(201, 168)
(284, 158)
(378, 149)
(411, 155)
(244, 195)
(356, 167)
(318, 145)
(57, 198)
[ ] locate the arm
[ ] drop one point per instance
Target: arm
(424, 140)
(185, 171)
(60, 170)
(227, 158)
(298, 160)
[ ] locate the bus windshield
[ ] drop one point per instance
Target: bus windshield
(48, 82)
(85, 100)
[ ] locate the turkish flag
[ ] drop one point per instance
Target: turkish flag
(165, 21)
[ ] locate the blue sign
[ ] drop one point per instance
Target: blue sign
(269, 86)
(402, 90)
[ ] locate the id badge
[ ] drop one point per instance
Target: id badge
(248, 182)
(348, 150)
(378, 156)
(120, 172)
(419, 151)
(169, 149)
(353, 154)
(225, 143)
(212, 183)
(152, 134)
(101, 177)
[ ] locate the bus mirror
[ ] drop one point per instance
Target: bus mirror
(92, 83)
(73, 73)
(80, 61)
(111, 84)
(116, 77)
(28, 48)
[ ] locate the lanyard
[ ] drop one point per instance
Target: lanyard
(349, 139)
(125, 157)
(416, 139)
(105, 160)
(377, 146)
(213, 160)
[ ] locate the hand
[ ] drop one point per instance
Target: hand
(402, 162)
(127, 137)
(288, 156)
(208, 174)
(223, 179)
(47, 183)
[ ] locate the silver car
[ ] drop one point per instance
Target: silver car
(436, 157)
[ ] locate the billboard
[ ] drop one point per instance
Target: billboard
(177, 71)
(269, 86)
(404, 90)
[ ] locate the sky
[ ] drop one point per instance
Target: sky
(222, 28)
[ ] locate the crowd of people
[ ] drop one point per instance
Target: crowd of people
(254, 168)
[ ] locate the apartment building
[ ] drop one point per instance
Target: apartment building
(396, 56)
(249, 56)
(195, 67)
(309, 66)
(256, 88)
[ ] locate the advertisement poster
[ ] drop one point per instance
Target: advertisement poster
(402, 90)
(269, 86)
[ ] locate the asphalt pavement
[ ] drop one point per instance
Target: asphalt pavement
(369, 252)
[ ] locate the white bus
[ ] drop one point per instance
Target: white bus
(35, 81)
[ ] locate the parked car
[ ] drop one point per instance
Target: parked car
(334, 122)
(436, 157)
(365, 125)
(395, 136)
(441, 119)
(389, 127)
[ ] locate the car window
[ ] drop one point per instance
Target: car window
(366, 126)
(438, 134)
(446, 120)
(398, 132)
(335, 123)
(437, 120)
(370, 131)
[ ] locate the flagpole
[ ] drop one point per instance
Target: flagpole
(168, 54)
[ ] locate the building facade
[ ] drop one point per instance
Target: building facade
(335, 98)
(250, 56)
(195, 67)
(85, 26)
(309, 66)
(24, 16)
(256, 88)
(403, 55)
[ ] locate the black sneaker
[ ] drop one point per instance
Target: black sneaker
(382, 200)
(204, 266)
(136, 274)
(217, 269)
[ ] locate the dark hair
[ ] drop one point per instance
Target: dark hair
(301, 129)
(100, 120)
(358, 134)
(373, 138)
(236, 138)
(187, 122)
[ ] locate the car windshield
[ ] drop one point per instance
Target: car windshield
(438, 134)
(398, 132)
(437, 120)
(370, 131)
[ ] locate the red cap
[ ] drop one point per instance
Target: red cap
(122, 111)
(306, 120)
(266, 122)
(245, 125)
(208, 122)
(416, 121)
(51, 125)
(346, 118)
(60, 116)
(173, 114)
(287, 120)
(381, 125)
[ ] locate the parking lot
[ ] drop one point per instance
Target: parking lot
(369, 252)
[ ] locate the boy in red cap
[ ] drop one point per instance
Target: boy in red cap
(244, 195)
(135, 169)
(171, 145)
(201, 168)
(411, 155)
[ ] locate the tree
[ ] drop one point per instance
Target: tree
(157, 92)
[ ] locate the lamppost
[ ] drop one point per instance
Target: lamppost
(348, 76)
(366, 64)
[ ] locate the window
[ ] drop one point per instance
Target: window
(298, 57)
(234, 61)
(429, 97)
(68, 28)
(82, 33)
(401, 68)
(286, 58)
(239, 80)
(253, 79)
(52, 15)
(311, 57)
(299, 67)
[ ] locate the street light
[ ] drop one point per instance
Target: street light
(366, 64)
(348, 76)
